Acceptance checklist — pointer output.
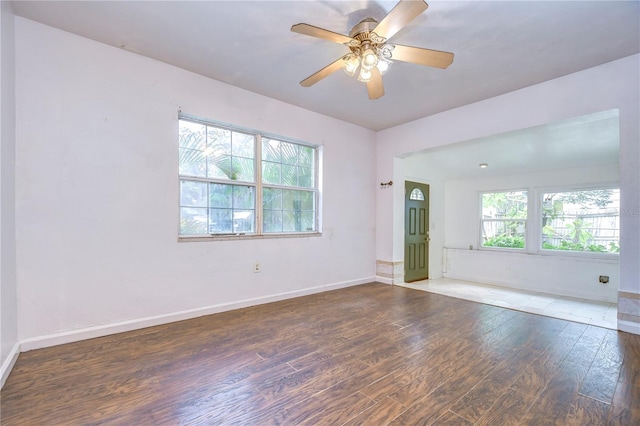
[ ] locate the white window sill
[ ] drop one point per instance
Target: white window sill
(234, 237)
(595, 256)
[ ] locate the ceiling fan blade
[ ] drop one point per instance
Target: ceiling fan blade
(375, 86)
(403, 13)
(418, 55)
(324, 72)
(312, 31)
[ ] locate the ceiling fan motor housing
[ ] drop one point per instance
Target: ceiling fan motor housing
(363, 33)
(364, 26)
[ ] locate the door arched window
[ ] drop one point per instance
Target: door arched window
(416, 194)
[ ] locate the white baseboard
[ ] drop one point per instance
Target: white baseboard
(628, 326)
(384, 280)
(517, 286)
(8, 363)
(123, 326)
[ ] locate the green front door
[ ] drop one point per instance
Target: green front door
(416, 231)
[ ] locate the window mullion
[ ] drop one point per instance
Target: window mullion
(258, 175)
(534, 222)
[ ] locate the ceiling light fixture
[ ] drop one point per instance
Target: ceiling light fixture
(483, 165)
(370, 52)
(366, 60)
(365, 75)
(351, 64)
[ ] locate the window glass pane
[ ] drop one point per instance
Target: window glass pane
(220, 195)
(289, 153)
(243, 221)
(271, 150)
(271, 173)
(288, 164)
(242, 169)
(504, 205)
(272, 199)
(289, 175)
(242, 145)
(503, 219)
(308, 221)
(305, 156)
(191, 135)
(220, 221)
(193, 221)
(291, 221)
(272, 221)
(243, 197)
(305, 177)
(584, 221)
(307, 200)
(288, 199)
(219, 167)
(218, 141)
(193, 194)
(192, 163)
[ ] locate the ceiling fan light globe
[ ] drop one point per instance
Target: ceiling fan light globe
(386, 51)
(365, 75)
(383, 65)
(369, 59)
(351, 63)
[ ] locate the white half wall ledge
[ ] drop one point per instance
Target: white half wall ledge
(629, 327)
(8, 364)
(390, 272)
(563, 276)
(140, 323)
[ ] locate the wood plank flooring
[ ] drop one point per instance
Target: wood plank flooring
(368, 355)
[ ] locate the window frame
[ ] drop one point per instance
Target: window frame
(257, 184)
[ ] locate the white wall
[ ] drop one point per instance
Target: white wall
(97, 194)
(8, 303)
(608, 86)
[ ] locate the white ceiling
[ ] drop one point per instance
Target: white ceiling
(499, 46)
(590, 140)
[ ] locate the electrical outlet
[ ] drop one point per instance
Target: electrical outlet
(256, 267)
(604, 279)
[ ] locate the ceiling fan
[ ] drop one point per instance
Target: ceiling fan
(370, 50)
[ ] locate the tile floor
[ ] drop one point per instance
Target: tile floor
(600, 314)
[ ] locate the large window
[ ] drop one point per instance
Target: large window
(582, 221)
(234, 182)
(504, 219)
(552, 221)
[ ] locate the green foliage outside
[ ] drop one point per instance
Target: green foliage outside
(506, 241)
(596, 248)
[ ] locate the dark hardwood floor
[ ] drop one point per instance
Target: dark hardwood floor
(368, 355)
